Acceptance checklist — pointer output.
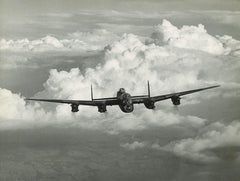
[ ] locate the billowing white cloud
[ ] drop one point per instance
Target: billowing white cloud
(169, 69)
(34, 53)
(130, 63)
(232, 45)
(194, 37)
(44, 44)
(210, 144)
(15, 113)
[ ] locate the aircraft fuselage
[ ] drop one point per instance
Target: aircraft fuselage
(125, 101)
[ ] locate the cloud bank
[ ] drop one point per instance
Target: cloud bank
(210, 144)
(168, 68)
(213, 143)
(25, 53)
(78, 41)
(166, 60)
(15, 113)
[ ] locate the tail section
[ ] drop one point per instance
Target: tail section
(149, 94)
(91, 93)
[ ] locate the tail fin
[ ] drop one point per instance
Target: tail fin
(91, 93)
(149, 95)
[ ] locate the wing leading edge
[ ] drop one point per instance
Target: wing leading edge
(94, 102)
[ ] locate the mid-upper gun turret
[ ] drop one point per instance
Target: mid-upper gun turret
(120, 92)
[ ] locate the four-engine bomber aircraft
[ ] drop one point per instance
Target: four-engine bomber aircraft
(124, 100)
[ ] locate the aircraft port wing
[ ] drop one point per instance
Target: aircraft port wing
(97, 102)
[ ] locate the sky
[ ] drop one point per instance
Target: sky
(57, 49)
(31, 7)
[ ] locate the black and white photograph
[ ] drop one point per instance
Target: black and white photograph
(110, 90)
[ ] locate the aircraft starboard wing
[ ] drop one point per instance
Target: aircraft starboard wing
(142, 99)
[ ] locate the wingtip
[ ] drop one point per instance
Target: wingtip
(212, 87)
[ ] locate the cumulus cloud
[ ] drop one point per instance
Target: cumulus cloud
(125, 63)
(194, 37)
(232, 45)
(169, 69)
(78, 41)
(34, 53)
(129, 63)
(212, 143)
(15, 113)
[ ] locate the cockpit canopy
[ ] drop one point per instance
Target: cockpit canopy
(121, 90)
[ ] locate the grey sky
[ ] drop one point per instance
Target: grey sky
(14, 7)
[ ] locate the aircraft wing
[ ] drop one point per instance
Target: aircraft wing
(94, 102)
(142, 99)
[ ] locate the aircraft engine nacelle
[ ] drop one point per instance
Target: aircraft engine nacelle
(149, 104)
(176, 100)
(74, 107)
(102, 108)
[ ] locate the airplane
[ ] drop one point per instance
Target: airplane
(124, 100)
